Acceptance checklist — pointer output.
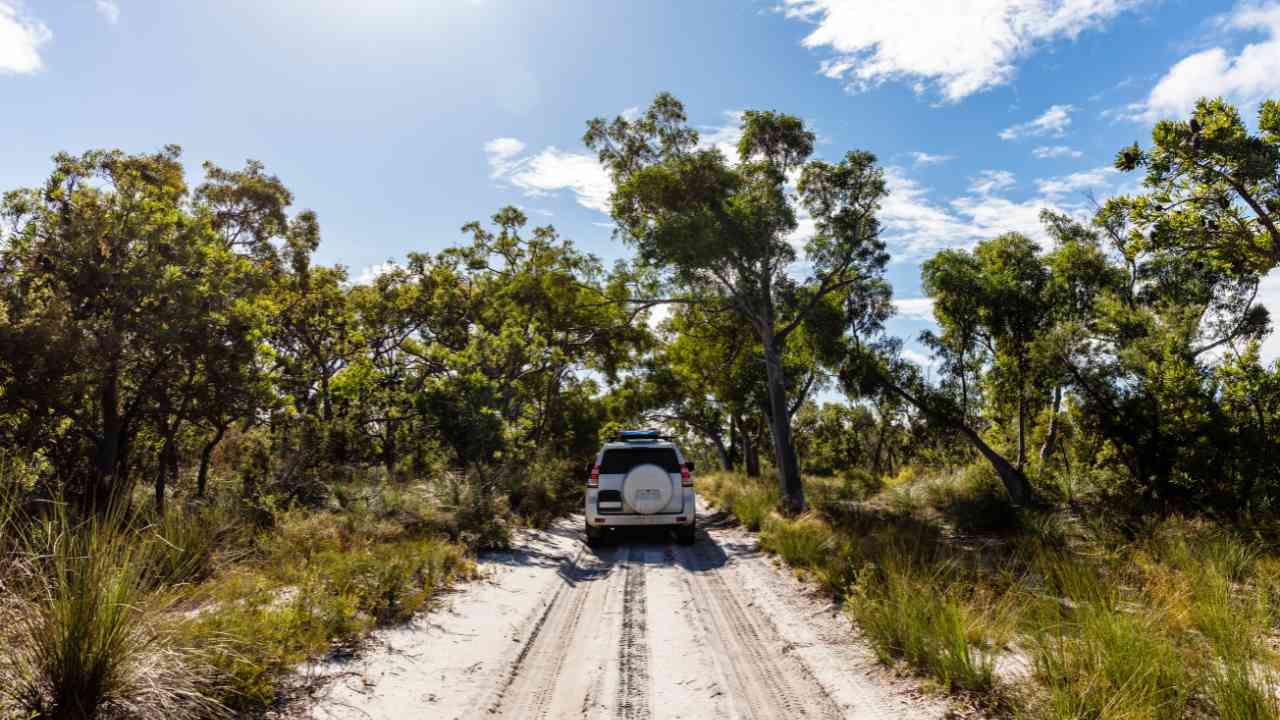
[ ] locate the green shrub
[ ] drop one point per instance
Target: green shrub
(975, 500)
(804, 542)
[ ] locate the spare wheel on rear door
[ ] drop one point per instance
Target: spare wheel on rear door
(647, 488)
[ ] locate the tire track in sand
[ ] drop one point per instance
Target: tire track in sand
(535, 684)
(632, 701)
(764, 681)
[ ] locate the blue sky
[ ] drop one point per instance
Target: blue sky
(400, 121)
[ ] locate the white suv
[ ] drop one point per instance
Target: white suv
(640, 479)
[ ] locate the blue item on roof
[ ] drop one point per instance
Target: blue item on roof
(639, 435)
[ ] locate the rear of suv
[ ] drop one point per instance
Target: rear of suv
(640, 479)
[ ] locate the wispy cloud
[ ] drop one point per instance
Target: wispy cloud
(549, 172)
(923, 159)
(373, 272)
(1076, 182)
(109, 10)
(989, 181)
(1245, 77)
(1053, 122)
(959, 47)
(723, 137)
(920, 308)
(1044, 152)
(917, 226)
(20, 39)
(503, 153)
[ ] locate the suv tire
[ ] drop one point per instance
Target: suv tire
(685, 533)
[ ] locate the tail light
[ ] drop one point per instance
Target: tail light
(594, 479)
(685, 479)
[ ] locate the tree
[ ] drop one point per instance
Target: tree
(125, 297)
(1212, 188)
(720, 230)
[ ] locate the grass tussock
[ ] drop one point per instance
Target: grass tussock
(209, 610)
(1052, 614)
(91, 635)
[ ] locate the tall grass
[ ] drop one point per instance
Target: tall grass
(912, 613)
(1106, 663)
(318, 583)
(1098, 617)
(749, 500)
(91, 638)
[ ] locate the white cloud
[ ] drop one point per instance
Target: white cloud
(1076, 182)
(1055, 151)
(109, 10)
(657, 314)
(920, 159)
(924, 361)
(989, 181)
(373, 272)
(958, 46)
(1053, 122)
(1269, 296)
(553, 170)
(916, 226)
(502, 154)
(1244, 78)
(920, 308)
(20, 39)
(550, 171)
(723, 137)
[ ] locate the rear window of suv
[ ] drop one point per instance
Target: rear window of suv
(621, 460)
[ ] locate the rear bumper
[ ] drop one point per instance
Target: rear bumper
(597, 519)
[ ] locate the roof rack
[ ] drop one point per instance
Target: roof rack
(640, 435)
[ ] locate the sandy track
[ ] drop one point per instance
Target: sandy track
(639, 629)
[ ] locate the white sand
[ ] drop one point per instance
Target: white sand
(639, 628)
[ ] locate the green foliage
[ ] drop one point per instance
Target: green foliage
(716, 234)
(916, 617)
(92, 637)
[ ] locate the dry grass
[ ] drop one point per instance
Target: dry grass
(1176, 619)
(206, 612)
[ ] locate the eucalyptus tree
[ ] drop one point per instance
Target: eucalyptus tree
(720, 229)
(125, 298)
(1212, 189)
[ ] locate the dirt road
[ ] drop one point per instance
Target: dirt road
(640, 628)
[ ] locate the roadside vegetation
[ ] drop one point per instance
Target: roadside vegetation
(1067, 612)
(220, 459)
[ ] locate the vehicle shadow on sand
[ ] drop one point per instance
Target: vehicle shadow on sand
(710, 550)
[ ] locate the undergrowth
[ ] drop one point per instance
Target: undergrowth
(209, 610)
(1048, 615)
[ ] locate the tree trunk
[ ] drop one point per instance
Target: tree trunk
(206, 455)
(1015, 482)
(389, 451)
(721, 451)
(751, 454)
(780, 422)
(734, 432)
(326, 403)
(108, 450)
(167, 464)
(1052, 436)
(884, 427)
(1022, 428)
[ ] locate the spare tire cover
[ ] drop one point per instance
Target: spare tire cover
(647, 488)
